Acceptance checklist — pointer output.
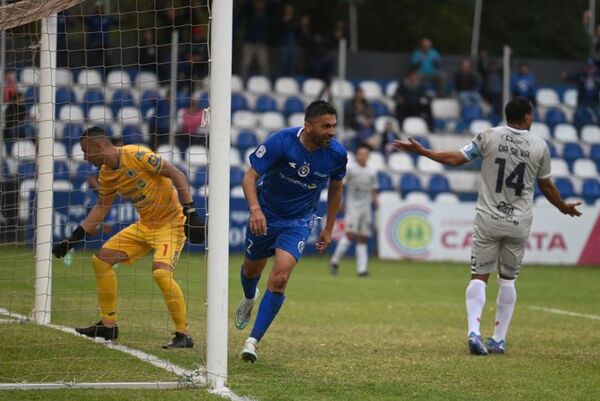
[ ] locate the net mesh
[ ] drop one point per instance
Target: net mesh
(116, 69)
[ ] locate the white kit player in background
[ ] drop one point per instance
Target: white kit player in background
(361, 193)
(513, 161)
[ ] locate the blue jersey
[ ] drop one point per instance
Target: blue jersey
(292, 177)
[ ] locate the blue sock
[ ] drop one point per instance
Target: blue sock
(268, 309)
(249, 284)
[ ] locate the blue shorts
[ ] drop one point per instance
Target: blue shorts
(290, 239)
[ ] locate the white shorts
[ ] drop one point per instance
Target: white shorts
(358, 222)
(493, 250)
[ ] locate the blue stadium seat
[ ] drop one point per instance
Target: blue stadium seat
(584, 116)
(571, 152)
(565, 187)
(26, 169)
(552, 149)
(131, 134)
(590, 190)
(379, 108)
(5, 171)
(71, 134)
(595, 154)
(384, 182)
(265, 103)
(148, 100)
(238, 102)
(292, 105)
(61, 170)
(439, 124)
(32, 95)
(203, 101)
(437, 185)
(236, 174)
(423, 141)
(183, 100)
(91, 98)
(63, 97)
(246, 140)
(409, 183)
(471, 112)
(121, 98)
(200, 177)
(554, 116)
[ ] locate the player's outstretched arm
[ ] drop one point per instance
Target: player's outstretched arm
(88, 226)
(194, 226)
(334, 202)
(257, 222)
(451, 158)
(551, 193)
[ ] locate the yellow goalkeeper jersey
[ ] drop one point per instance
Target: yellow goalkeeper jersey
(137, 178)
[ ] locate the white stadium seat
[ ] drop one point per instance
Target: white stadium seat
(296, 120)
(312, 87)
(59, 151)
(585, 168)
(541, 130)
(100, 115)
(63, 77)
(167, 152)
(570, 97)
(244, 119)
(234, 157)
(371, 89)
(237, 85)
(380, 123)
(287, 86)
(391, 88)
(565, 133)
(24, 149)
(400, 162)
(590, 134)
(146, 80)
(118, 79)
(446, 198)
(478, 126)
(415, 126)
(129, 116)
(417, 197)
(559, 168)
(77, 153)
(428, 166)
(272, 121)
(71, 113)
(376, 161)
(197, 155)
(89, 78)
(342, 88)
(547, 97)
(445, 108)
(30, 76)
(259, 85)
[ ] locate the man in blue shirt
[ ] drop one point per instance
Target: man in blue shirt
(282, 188)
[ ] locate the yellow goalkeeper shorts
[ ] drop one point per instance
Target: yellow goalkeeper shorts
(137, 240)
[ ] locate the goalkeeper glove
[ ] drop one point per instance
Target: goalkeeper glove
(194, 227)
(60, 250)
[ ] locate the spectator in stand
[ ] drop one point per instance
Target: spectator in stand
(466, 85)
(387, 138)
(288, 30)
(426, 60)
(193, 66)
(305, 41)
(191, 121)
(588, 90)
(523, 84)
(148, 56)
(492, 82)
(10, 86)
(412, 99)
(255, 47)
(15, 117)
(359, 117)
(97, 44)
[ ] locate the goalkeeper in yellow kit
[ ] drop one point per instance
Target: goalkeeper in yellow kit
(152, 184)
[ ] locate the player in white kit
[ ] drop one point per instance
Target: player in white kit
(361, 193)
(513, 161)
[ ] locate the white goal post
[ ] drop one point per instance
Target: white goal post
(213, 372)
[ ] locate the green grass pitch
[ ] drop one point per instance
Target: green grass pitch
(397, 335)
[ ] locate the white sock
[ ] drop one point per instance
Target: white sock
(505, 305)
(362, 257)
(341, 248)
(475, 296)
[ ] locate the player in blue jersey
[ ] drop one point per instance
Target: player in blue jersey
(282, 188)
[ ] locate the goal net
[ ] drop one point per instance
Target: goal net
(141, 71)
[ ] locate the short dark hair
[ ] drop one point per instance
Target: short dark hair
(364, 145)
(319, 108)
(516, 109)
(95, 132)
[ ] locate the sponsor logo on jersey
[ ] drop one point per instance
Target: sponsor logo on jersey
(141, 184)
(130, 173)
(301, 245)
(505, 208)
(260, 152)
(154, 161)
(304, 170)
(292, 164)
(409, 231)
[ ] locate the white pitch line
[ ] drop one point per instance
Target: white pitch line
(565, 312)
(196, 377)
